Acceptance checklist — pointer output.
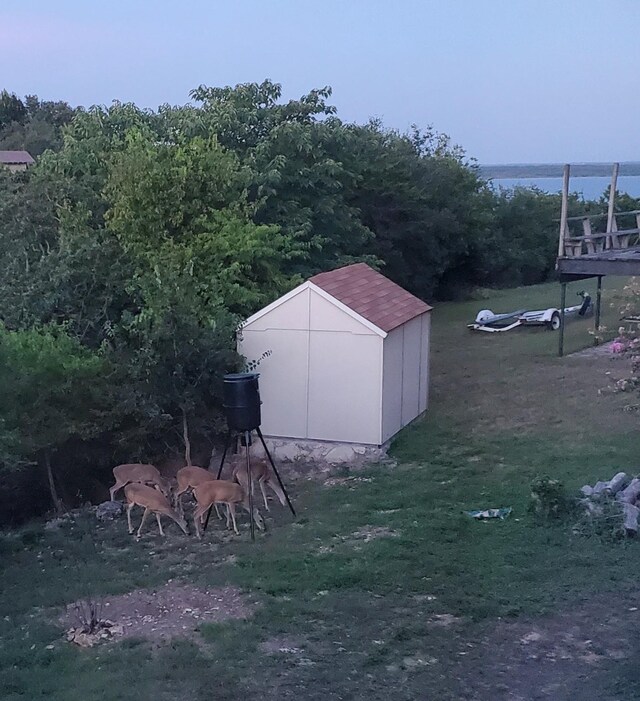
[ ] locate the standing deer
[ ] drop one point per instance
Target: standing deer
(221, 492)
(260, 473)
(151, 500)
(189, 478)
(138, 472)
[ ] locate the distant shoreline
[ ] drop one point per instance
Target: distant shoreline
(555, 170)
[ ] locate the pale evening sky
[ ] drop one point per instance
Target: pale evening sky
(509, 80)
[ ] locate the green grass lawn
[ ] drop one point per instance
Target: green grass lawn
(360, 616)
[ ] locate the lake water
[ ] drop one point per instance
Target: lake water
(591, 188)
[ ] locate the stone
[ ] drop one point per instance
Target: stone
(631, 513)
(288, 452)
(600, 487)
(55, 523)
(109, 510)
(630, 493)
(341, 453)
(617, 482)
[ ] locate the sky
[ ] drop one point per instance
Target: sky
(511, 81)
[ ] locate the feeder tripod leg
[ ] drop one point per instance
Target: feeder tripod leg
(266, 450)
(247, 442)
(224, 455)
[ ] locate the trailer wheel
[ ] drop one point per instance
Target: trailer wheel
(554, 324)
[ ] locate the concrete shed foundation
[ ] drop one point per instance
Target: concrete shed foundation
(328, 452)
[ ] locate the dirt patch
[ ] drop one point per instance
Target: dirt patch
(172, 610)
(283, 645)
(355, 540)
(443, 620)
(564, 656)
(369, 533)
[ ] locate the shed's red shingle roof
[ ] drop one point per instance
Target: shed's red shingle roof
(371, 295)
(16, 157)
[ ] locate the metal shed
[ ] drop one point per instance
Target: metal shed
(349, 359)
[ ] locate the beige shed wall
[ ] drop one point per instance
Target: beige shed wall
(323, 380)
(283, 378)
(345, 374)
(412, 331)
(425, 368)
(405, 383)
(344, 387)
(392, 384)
(291, 314)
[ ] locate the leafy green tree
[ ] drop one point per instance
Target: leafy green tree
(32, 124)
(12, 109)
(293, 153)
(179, 210)
(51, 390)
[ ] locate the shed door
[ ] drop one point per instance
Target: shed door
(344, 387)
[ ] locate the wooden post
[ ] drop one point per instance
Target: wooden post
(596, 340)
(564, 209)
(563, 301)
(612, 200)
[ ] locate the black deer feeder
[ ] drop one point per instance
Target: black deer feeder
(242, 411)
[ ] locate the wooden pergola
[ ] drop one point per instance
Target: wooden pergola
(586, 250)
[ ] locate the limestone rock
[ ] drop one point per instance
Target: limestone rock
(631, 513)
(341, 453)
(631, 493)
(109, 510)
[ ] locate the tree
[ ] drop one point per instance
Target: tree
(179, 211)
(32, 125)
(51, 390)
(294, 155)
(12, 109)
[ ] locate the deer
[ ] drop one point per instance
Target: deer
(151, 500)
(138, 472)
(225, 492)
(260, 473)
(188, 478)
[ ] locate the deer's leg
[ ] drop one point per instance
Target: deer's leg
(215, 506)
(129, 507)
(198, 518)
(232, 510)
(264, 494)
(275, 488)
(178, 502)
(144, 518)
(159, 523)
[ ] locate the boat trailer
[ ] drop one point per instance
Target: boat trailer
(486, 320)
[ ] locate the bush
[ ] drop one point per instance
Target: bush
(550, 501)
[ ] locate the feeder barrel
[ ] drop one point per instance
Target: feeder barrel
(242, 401)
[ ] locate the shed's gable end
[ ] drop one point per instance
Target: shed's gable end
(296, 310)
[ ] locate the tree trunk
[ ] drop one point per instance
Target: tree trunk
(185, 437)
(45, 460)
